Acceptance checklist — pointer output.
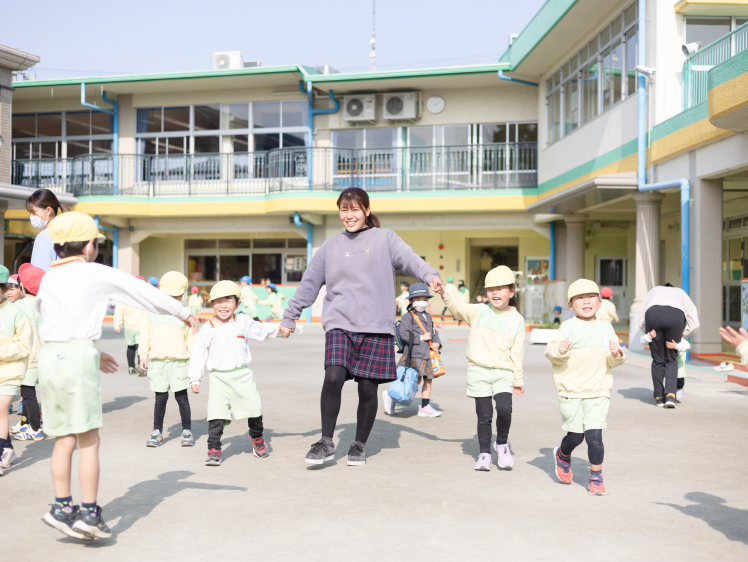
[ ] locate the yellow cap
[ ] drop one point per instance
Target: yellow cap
(582, 287)
(173, 284)
(499, 276)
(73, 227)
(224, 289)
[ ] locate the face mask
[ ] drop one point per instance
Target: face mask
(420, 306)
(37, 222)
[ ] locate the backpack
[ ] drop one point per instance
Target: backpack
(398, 338)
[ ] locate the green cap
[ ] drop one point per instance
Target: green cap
(450, 279)
(4, 274)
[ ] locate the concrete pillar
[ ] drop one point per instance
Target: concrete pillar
(3, 209)
(706, 262)
(574, 247)
(561, 255)
(6, 98)
(128, 254)
(647, 256)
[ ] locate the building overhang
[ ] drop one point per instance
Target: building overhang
(727, 94)
(711, 7)
(591, 194)
(16, 60)
(16, 196)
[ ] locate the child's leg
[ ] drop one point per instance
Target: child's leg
(426, 392)
(4, 424)
(159, 410)
(595, 448)
(569, 443)
(88, 470)
(62, 456)
(367, 408)
(484, 410)
(255, 427)
(132, 351)
(332, 389)
(184, 408)
(503, 416)
(215, 432)
(680, 385)
(30, 406)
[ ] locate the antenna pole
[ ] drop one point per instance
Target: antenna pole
(373, 39)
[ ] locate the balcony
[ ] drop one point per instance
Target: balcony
(473, 167)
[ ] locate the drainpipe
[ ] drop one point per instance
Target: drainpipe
(297, 222)
(552, 261)
(115, 114)
(510, 79)
(115, 243)
(312, 112)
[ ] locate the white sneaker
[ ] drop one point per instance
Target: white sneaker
(16, 428)
(428, 412)
(679, 394)
(484, 462)
(8, 456)
(505, 459)
(389, 403)
(725, 367)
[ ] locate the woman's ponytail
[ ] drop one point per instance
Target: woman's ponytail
(372, 221)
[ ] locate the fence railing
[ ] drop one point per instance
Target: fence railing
(696, 67)
(487, 166)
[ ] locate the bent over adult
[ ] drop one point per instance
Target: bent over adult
(43, 207)
(358, 267)
(668, 316)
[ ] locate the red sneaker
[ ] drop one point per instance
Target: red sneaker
(596, 486)
(214, 457)
(563, 468)
(260, 447)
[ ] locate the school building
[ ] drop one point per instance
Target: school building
(541, 161)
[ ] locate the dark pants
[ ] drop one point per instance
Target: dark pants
(132, 354)
(484, 410)
(332, 389)
(668, 323)
(215, 431)
(595, 448)
(159, 409)
(30, 407)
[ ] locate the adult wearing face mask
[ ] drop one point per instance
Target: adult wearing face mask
(43, 207)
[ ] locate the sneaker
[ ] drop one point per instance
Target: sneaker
(91, 524)
(214, 457)
(10, 409)
(357, 454)
(7, 457)
(389, 403)
(484, 462)
(596, 486)
(18, 427)
(187, 439)
(670, 401)
(563, 468)
(320, 452)
(19, 411)
(156, 439)
(259, 447)
(141, 372)
(679, 395)
(505, 459)
(428, 412)
(659, 401)
(28, 434)
(63, 518)
(132, 371)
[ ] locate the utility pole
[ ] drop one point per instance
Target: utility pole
(373, 39)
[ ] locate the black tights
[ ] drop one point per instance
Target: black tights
(160, 409)
(484, 409)
(595, 448)
(132, 353)
(335, 377)
(30, 407)
(215, 431)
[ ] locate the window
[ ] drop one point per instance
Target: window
(589, 91)
(50, 124)
(23, 126)
(65, 134)
(78, 123)
(706, 30)
(207, 117)
(365, 138)
(446, 135)
(554, 117)
(236, 116)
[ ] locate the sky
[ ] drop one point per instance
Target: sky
(78, 38)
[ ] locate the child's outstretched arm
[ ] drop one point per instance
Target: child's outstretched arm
(198, 359)
(261, 330)
(616, 358)
(557, 349)
(738, 340)
(516, 355)
(144, 344)
(467, 312)
(20, 347)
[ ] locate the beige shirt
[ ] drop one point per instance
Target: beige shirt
(673, 297)
(132, 318)
(16, 339)
(165, 338)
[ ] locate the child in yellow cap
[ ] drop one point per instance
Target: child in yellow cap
(72, 300)
(221, 350)
(165, 346)
(494, 353)
(582, 353)
(131, 319)
(195, 302)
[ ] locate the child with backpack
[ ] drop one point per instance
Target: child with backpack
(417, 329)
(274, 301)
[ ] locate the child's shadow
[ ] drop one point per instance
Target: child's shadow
(199, 428)
(547, 464)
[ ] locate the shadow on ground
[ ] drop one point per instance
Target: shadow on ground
(730, 521)
(546, 463)
(121, 403)
(641, 394)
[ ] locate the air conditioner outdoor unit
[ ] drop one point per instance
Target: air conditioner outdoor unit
(230, 60)
(400, 107)
(360, 108)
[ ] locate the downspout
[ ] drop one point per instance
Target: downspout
(115, 243)
(115, 143)
(308, 226)
(510, 79)
(552, 260)
(312, 112)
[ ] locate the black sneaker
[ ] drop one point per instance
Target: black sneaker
(320, 452)
(91, 524)
(659, 401)
(214, 457)
(357, 454)
(132, 371)
(670, 401)
(62, 518)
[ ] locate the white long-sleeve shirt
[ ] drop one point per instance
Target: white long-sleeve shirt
(73, 298)
(222, 347)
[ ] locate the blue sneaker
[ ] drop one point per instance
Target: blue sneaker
(10, 409)
(28, 434)
(156, 439)
(62, 518)
(19, 411)
(187, 439)
(91, 524)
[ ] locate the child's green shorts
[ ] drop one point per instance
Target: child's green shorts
(581, 414)
(232, 393)
(166, 376)
(70, 387)
(9, 389)
(32, 377)
(484, 381)
(132, 337)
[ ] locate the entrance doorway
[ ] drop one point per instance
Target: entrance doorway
(611, 272)
(485, 254)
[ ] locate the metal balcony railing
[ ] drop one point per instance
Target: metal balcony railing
(697, 66)
(487, 166)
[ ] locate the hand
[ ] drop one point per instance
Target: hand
(193, 323)
(107, 363)
(671, 344)
(615, 349)
(732, 336)
(117, 329)
(426, 337)
(564, 346)
(652, 334)
(144, 363)
(285, 332)
(195, 388)
(519, 390)
(437, 285)
(435, 346)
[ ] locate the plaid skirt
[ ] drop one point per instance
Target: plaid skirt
(366, 356)
(422, 366)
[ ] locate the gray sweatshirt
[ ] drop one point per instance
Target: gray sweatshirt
(409, 325)
(359, 271)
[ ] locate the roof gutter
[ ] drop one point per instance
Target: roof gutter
(598, 182)
(115, 119)
(515, 80)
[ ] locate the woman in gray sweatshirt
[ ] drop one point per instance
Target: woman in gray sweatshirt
(358, 268)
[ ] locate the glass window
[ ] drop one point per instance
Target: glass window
(349, 138)
(380, 138)
(554, 117)
(77, 123)
(202, 268)
(23, 150)
(200, 244)
(592, 47)
(77, 148)
(270, 243)
(238, 244)
(175, 145)
(295, 266)
(589, 88)
(724, 260)
(234, 267)
(207, 117)
(205, 145)
(49, 124)
(294, 139)
(101, 147)
(421, 136)
(176, 119)
(616, 27)
(146, 146)
(458, 135)
(736, 257)
(631, 62)
(297, 243)
(583, 55)
(236, 116)
(295, 114)
(571, 106)
(512, 130)
(740, 21)
(266, 141)
(527, 132)
(266, 115)
(605, 35)
(48, 150)
(706, 30)
(745, 261)
(149, 120)
(611, 76)
(734, 303)
(494, 133)
(101, 123)
(23, 126)
(629, 15)
(267, 266)
(241, 143)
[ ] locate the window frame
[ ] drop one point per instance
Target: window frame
(63, 138)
